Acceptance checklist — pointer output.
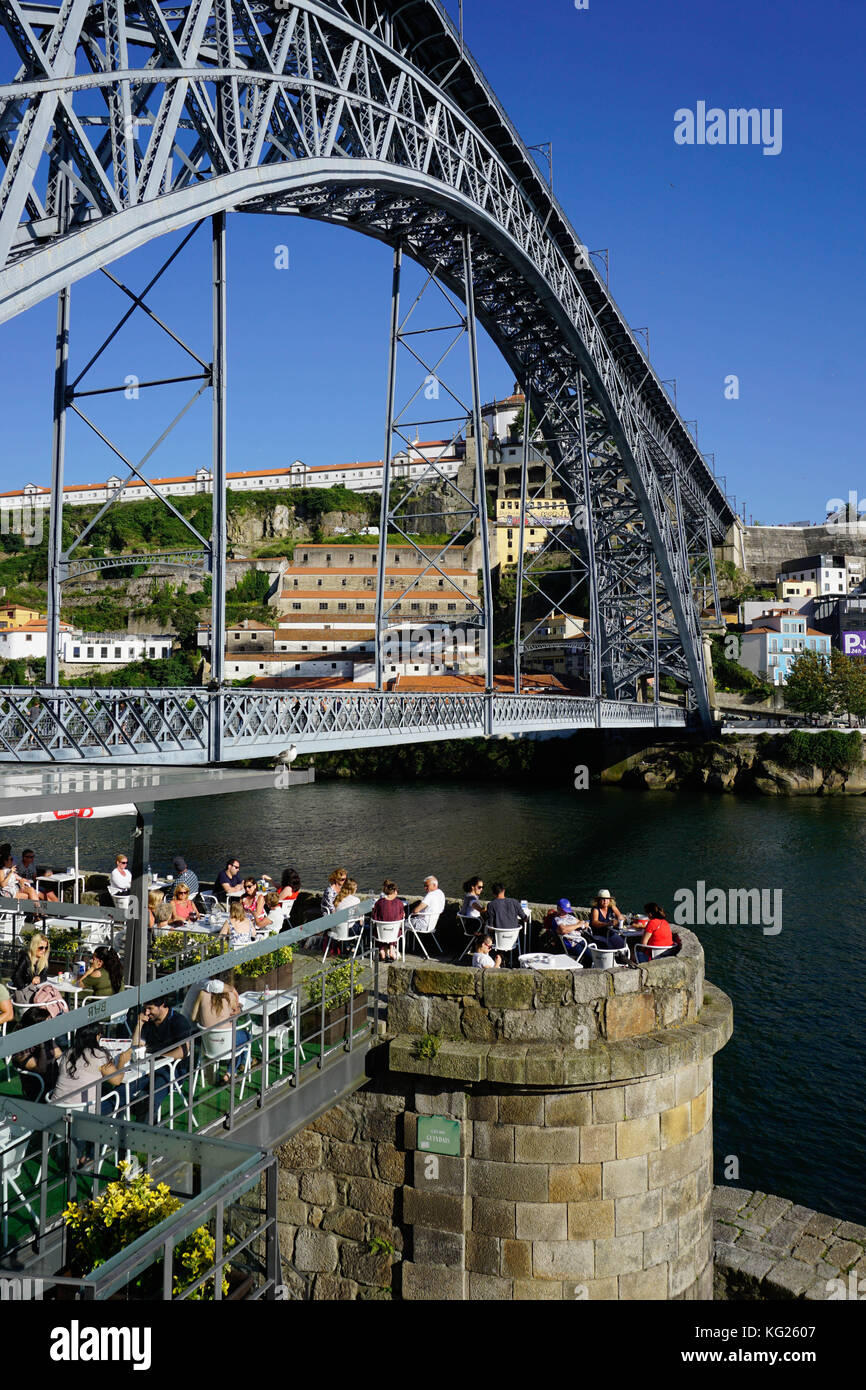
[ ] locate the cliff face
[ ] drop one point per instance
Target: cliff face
(765, 548)
(246, 529)
(742, 765)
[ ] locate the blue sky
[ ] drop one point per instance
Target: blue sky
(740, 263)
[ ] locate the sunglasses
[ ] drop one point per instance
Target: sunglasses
(183, 893)
(41, 948)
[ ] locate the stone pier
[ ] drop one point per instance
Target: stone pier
(583, 1102)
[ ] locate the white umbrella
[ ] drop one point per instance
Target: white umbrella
(82, 813)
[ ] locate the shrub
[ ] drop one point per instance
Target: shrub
(830, 750)
(262, 965)
(337, 985)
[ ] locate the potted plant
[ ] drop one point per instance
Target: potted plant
(273, 971)
(98, 1229)
(342, 985)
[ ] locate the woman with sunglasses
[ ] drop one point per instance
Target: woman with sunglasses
(120, 879)
(183, 909)
(253, 903)
(32, 964)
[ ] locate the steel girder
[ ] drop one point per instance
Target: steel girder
(174, 726)
(371, 115)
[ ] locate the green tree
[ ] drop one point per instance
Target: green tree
(848, 685)
(809, 688)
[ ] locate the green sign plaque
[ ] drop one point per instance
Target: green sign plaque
(437, 1134)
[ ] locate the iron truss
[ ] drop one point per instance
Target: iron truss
(174, 726)
(128, 119)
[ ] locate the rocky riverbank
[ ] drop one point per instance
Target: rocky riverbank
(797, 764)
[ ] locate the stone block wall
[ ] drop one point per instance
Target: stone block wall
(584, 1101)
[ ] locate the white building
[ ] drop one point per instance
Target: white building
(112, 648)
(831, 574)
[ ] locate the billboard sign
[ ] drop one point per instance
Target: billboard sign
(854, 643)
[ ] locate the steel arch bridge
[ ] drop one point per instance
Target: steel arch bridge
(130, 119)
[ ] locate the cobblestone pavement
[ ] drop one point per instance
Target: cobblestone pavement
(769, 1248)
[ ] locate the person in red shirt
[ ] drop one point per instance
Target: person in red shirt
(658, 930)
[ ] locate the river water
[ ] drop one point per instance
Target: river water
(789, 1114)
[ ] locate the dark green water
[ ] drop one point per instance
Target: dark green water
(789, 1086)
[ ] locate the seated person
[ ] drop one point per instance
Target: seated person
(240, 927)
(27, 871)
(229, 883)
(182, 874)
(504, 914)
(12, 885)
(218, 1003)
(658, 932)
(7, 1013)
(388, 908)
(85, 1067)
(154, 901)
(183, 909)
(31, 966)
(120, 879)
(335, 883)
(481, 958)
(164, 1031)
(568, 928)
(290, 886)
(105, 973)
(37, 1064)
(603, 921)
(472, 905)
(278, 916)
(253, 903)
(431, 906)
(163, 917)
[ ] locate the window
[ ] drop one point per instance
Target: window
(76, 651)
(90, 651)
(305, 648)
(342, 607)
(318, 583)
(296, 606)
(452, 608)
(333, 665)
(323, 608)
(151, 651)
(261, 666)
(118, 651)
(414, 607)
(361, 607)
(28, 637)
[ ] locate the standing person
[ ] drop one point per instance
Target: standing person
(27, 871)
(229, 883)
(472, 904)
(218, 1003)
(335, 883)
(37, 1064)
(120, 879)
(603, 921)
(482, 959)
(184, 875)
(32, 964)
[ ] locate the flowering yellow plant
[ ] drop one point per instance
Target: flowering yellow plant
(99, 1228)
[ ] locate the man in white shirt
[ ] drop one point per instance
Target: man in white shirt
(120, 879)
(433, 902)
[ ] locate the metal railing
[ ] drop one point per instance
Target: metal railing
(54, 1157)
(173, 725)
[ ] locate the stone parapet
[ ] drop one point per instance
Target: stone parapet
(770, 1248)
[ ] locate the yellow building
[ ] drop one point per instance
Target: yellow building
(544, 515)
(796, 588)
(15, 617)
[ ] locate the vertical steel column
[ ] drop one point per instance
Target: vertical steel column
(135, 965)
(481, 488)
(219, 467)
(656, 690)
(58, 458)
(386, 465)
(524, 488)
(595, 633)
(713, 576)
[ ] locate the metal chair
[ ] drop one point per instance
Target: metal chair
(472, 929)
(344, 932)
(507, 941)
(386, 934)
(424, 924)
(12, 1143)
(604, 957)
(216, 1046)
(643, 954)
(125, 902)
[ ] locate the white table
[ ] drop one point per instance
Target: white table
(539, 960)
(60, 880)
(254, 1001)
(67, 987)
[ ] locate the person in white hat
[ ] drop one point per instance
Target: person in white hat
(216, 1005)
(604, 919)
